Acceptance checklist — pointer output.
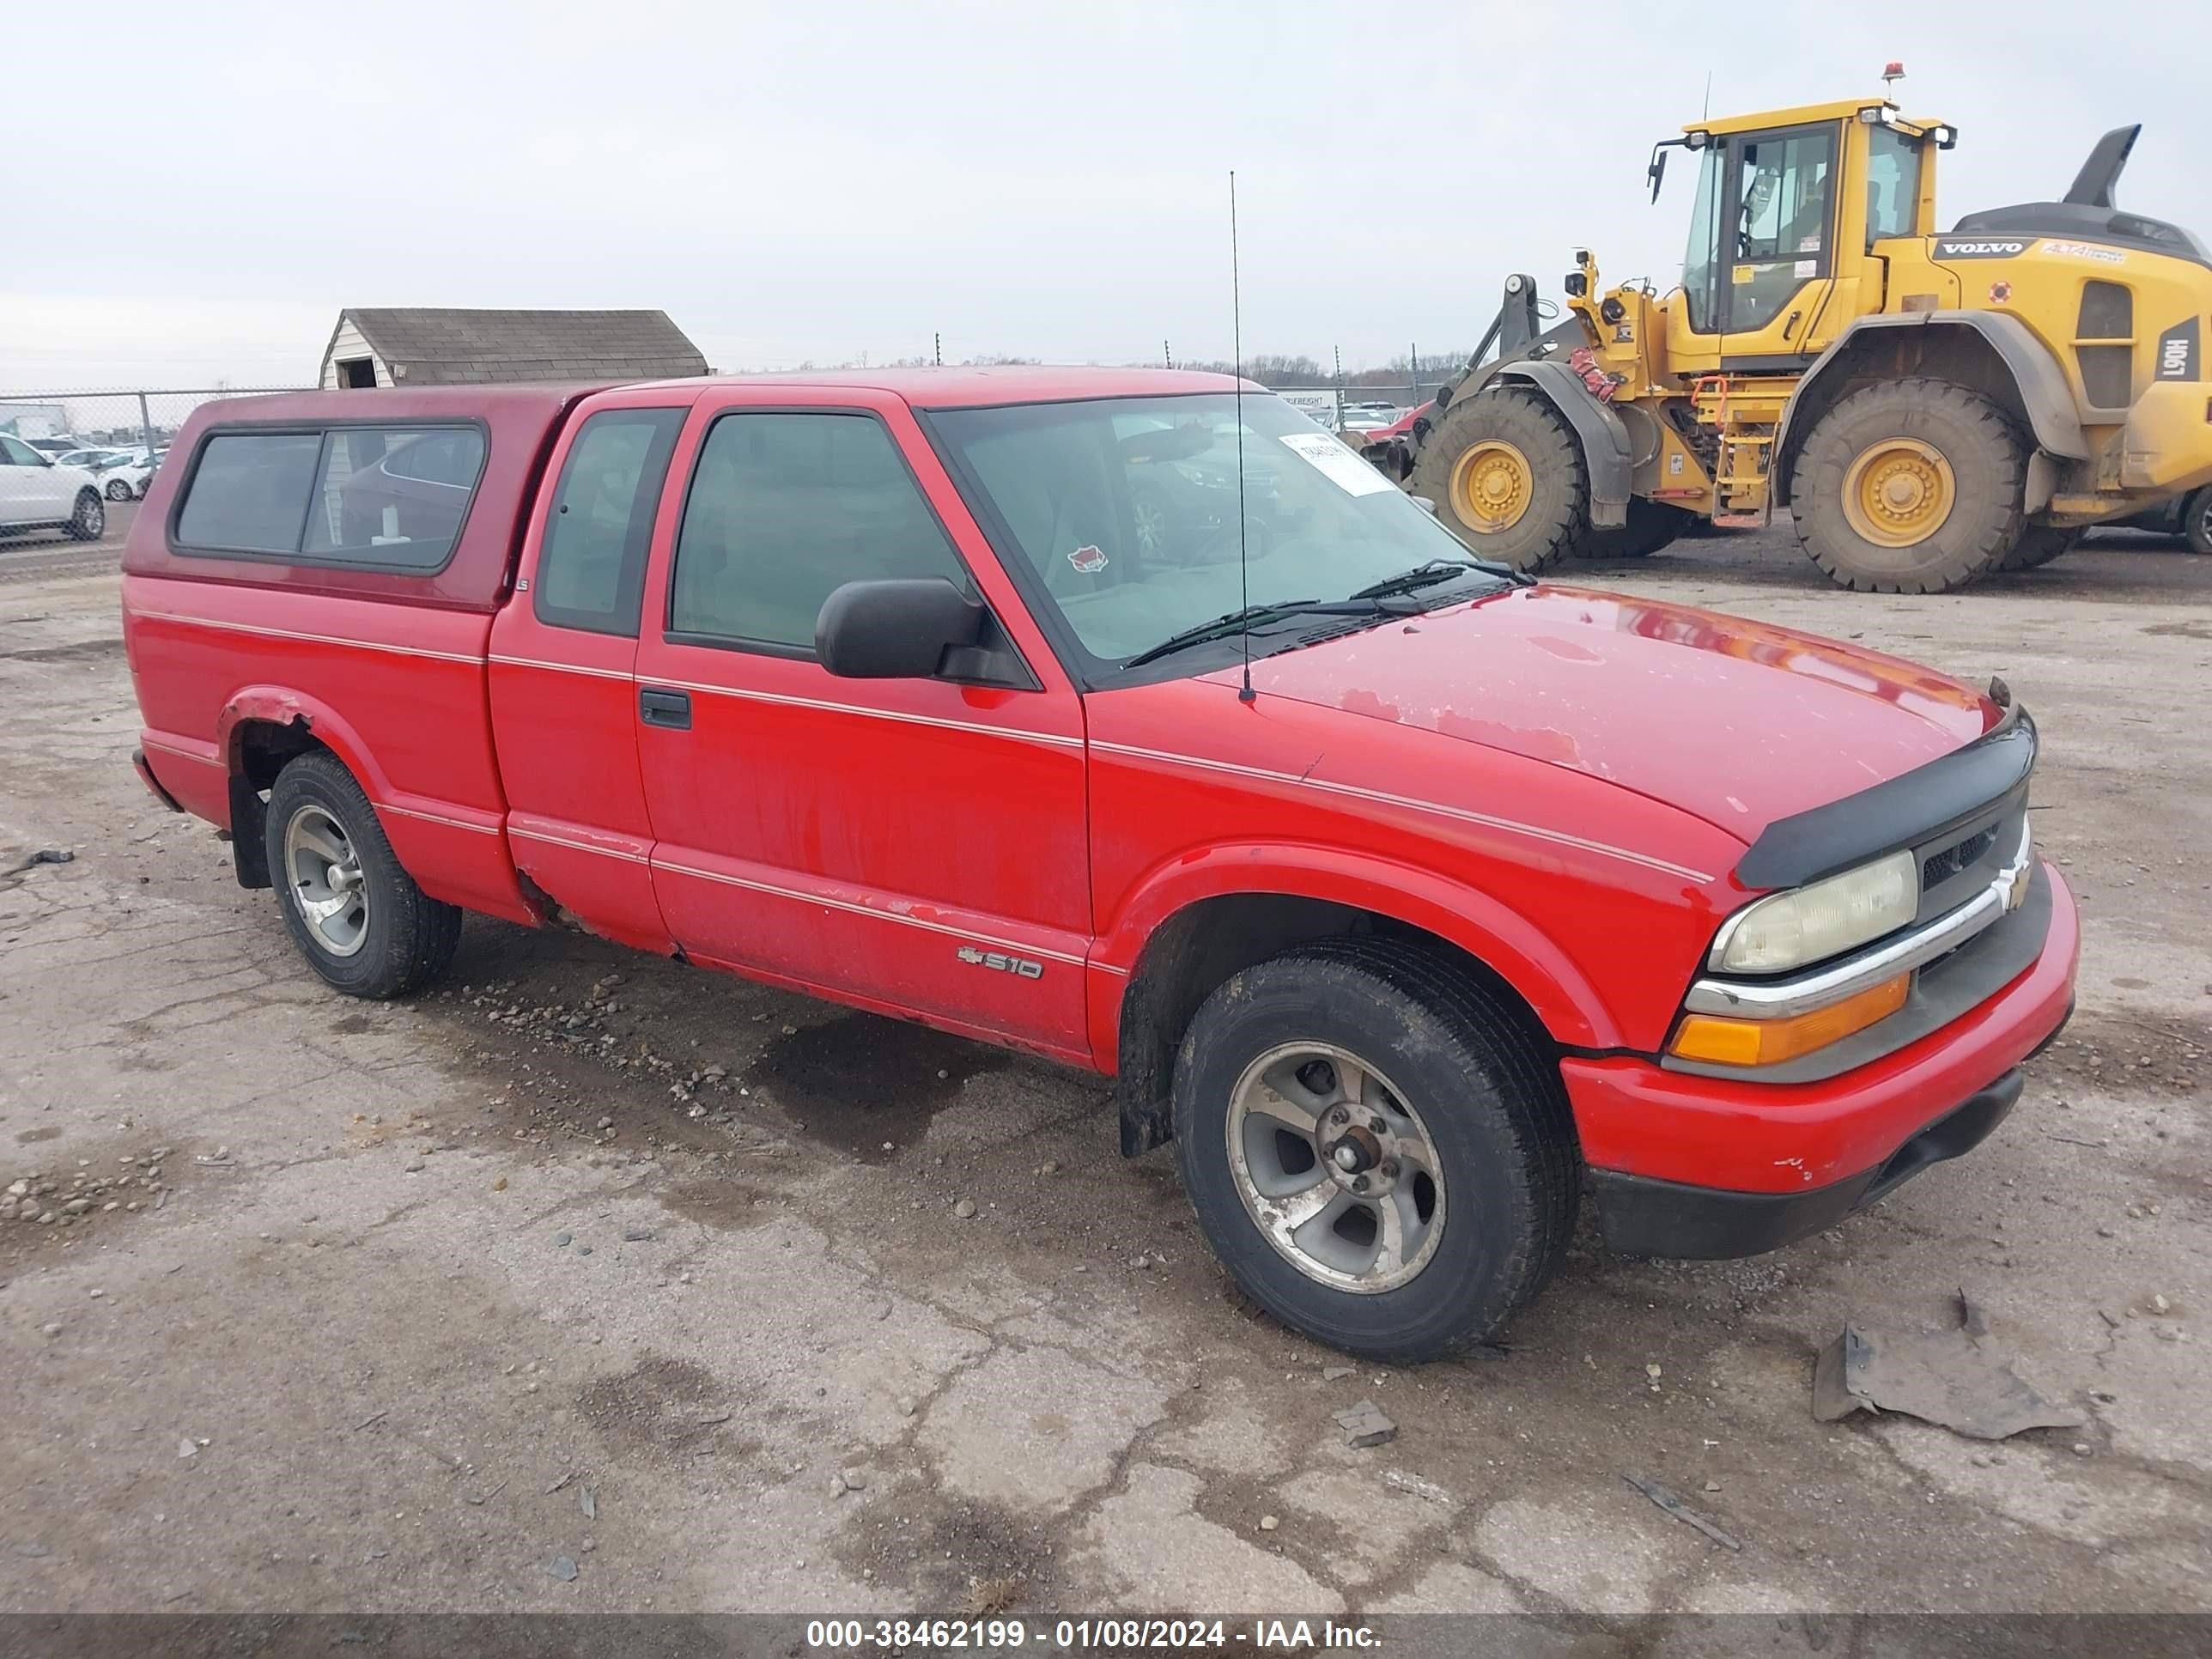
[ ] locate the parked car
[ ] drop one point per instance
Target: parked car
(122, 473)
(54, 448)
(1391, 448)
(38, 494)
(2187, 516)
(1407, 897)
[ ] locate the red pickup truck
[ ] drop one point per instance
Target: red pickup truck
(1410, 899)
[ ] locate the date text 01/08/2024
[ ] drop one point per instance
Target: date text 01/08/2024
(1081, 1635)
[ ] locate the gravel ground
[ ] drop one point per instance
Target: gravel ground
(589, 1282)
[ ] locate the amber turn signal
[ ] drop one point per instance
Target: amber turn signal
(1720, 1041)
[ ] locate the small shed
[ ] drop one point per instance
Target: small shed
(427, 346)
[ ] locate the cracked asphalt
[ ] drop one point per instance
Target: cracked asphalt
(589, 1259)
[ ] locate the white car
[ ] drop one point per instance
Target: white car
(35, 494)
(124, 474)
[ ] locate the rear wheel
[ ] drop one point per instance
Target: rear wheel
(355, 914)
(1912, 487)
(1376, 1150)
(118, 490)
(1507, 476)
(2038, 544)
(88, 521)
(2197, 520)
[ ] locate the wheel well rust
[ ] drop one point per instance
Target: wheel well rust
(1191, 954)
(260, 750)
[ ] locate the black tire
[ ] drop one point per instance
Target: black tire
(88, 521)
(1557, 515)
(410, 936)
(2038, 544)
(1495, 1111)
(118, 490)
(1651, 526)
(1988, 462)
(2197, 521)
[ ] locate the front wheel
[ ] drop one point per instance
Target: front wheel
(88, 521)
(1376, 1148)
(2038, 544)
(118, 490)
(354, 913)
(1507, 476)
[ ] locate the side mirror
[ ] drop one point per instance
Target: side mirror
(895, 630)
(1657, 172)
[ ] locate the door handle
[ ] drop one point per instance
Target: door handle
(669, 709)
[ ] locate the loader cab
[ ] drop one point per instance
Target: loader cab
(1788, 207)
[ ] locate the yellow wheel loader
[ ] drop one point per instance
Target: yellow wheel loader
(1928, 405)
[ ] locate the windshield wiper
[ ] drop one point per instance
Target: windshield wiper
(1428, 575)
(1257, 616)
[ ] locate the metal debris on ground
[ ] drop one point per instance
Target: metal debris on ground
(45, 855)
(563, 1568)
(1399, 1480)
(1672, 1501)
(1955, 1378)
(1363, 1425)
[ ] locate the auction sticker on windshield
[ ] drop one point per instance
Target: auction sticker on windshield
(1336, 463)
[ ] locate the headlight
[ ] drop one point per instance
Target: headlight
(1825, 919)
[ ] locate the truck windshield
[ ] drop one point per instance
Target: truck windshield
(1126, 511)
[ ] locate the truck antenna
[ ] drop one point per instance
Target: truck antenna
(1236, 347)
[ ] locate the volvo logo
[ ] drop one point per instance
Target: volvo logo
(1954, 250)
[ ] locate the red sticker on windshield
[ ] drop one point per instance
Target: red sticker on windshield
(1089, 560)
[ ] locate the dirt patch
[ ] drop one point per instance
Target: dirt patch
(2163, 1055)
(660, 1403)
(32, 1137)
(857, 1081)
(728, 1205)
(76, 651)
(970, 1560)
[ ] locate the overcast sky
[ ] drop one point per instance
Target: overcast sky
(193, 189)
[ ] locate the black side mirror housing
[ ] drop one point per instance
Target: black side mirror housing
(895, 630)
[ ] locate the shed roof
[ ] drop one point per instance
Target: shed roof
(435, 346)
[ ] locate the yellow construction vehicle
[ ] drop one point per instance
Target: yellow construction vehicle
(1928, 405)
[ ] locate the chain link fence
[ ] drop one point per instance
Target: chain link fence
(107, 421)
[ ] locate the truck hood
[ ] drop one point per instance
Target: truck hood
(1735, 721)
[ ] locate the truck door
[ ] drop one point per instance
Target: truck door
(917, 846)
(562, 651)
(28, 491)
(1762, 256)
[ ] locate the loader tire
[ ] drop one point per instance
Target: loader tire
(1911, 486)
(1507, 476)
(2040, 544)
(1651, 526)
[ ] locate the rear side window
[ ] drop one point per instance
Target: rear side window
(391, 497)
(784, 510)
(249, 493)
(591, 572)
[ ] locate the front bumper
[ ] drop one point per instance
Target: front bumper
(1659, 1141)
(1641, 1217)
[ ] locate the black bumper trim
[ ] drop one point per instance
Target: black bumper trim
(145, 770)
(1639, 1216)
